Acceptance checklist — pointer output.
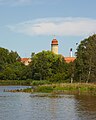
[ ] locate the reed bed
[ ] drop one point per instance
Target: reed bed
(56, 88)
(68, 88)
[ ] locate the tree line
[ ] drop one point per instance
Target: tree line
(46, 65)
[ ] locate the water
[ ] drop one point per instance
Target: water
(26, 106)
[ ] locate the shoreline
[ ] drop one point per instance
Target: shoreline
(61, 88)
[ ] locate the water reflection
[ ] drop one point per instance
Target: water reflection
(86, 107)
(58, 108)
(53, 108)
(26, 106)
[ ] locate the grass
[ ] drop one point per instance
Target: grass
(24, 82)
(44, 89)
(78, 88)
(27, 90)
(39, 82)
(15, 82)
(48, 87)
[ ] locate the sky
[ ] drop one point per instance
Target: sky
(28, 26)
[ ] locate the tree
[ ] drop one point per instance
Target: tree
(3, 56)
(70, 71)
(85, 65)
(13, 57)
(7, 57)
(46, 64)
(10, 66)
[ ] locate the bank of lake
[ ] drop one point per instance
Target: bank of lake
(56, 88)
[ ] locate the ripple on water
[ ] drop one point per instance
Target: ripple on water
(38, 106)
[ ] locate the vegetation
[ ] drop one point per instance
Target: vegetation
(47, 67)
(85, 64)
(16, 82)
(78, 88)
(66, 88)
(10, 66)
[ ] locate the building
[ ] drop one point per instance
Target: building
(26, 61)
(69, 59)
(54, 46)
(54, 49)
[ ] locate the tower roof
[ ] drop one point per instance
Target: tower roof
(54, 42)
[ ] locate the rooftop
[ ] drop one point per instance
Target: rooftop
(69, 59)
(26, 61)
(54, 42)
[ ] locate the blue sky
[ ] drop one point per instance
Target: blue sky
(28, 26)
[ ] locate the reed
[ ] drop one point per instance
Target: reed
(46, 87)
(68, 87)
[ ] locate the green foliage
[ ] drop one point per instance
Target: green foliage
(66, 88)
(40, 82)
(10, 66)
(75, 88)
(44, 89)
(15, 82)
(85, 65)
(46, 65)
(7, 57)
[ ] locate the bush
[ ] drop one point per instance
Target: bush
(40, 82)
(44, 89)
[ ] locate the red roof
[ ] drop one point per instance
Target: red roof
(24, 59)
(69, 59)
(54, 42)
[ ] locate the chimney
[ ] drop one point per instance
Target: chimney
(70, 52)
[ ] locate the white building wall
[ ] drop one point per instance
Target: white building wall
(54, 49)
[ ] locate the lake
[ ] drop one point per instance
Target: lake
(27, 106)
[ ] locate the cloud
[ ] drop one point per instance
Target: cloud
(57, 26)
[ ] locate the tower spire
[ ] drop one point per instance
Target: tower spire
(54, 36)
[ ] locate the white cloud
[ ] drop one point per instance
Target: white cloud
(57, 26)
